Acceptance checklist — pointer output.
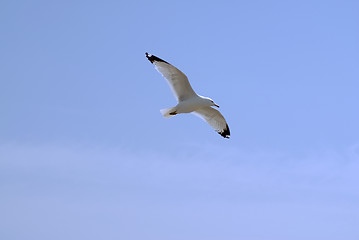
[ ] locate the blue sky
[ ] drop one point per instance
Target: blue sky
(86, 154)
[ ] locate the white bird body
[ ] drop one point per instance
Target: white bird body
(188, 100)
(191, 104)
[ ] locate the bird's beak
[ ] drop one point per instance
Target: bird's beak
(216, 105)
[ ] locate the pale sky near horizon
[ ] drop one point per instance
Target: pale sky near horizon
(86, 154)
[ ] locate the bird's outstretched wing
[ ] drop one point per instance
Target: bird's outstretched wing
(215, 119)
(176, 79)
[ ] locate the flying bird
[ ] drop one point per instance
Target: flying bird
(188, 100)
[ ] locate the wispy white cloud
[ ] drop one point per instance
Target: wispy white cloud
(201, 192)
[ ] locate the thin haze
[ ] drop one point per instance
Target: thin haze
(86, 154)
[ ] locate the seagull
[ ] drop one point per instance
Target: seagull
(188, 100)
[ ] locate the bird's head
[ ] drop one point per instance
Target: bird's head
(211, 102)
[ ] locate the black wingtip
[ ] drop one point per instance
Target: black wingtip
(153, 58)
(225, 133)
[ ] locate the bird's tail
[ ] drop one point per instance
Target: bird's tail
(168, 112)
